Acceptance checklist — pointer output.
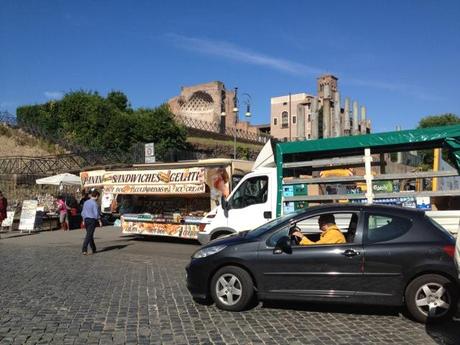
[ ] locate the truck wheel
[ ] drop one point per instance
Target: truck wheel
(431, 298)
(232, 288)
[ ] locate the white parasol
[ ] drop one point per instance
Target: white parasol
(61, 179)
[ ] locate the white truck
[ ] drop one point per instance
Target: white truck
(286, 178)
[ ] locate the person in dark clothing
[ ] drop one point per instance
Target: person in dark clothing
(91, 216)
(3, 206)
(84, 197)
(73, 218)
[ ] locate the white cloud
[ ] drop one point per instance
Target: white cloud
(406, 89)
(53, 94)
(233, 52)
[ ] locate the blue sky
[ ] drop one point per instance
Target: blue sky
(399, 58)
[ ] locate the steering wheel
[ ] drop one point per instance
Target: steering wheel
(294, 239)
(251, 200)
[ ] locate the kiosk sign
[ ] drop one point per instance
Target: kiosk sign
(174, 181)
(91, 178)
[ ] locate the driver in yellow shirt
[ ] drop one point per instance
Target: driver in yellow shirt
(330, 232)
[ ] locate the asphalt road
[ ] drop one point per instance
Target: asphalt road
(133, 292)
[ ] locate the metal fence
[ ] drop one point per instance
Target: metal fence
(78, 158)
(215, 127)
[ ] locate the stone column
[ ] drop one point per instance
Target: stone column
(314, 118)
(326, 112)
(301, 122)
(337, 124)
(363, 119)
(400, 155)
(355, 118)
(346, 117)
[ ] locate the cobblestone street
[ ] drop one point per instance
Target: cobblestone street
(134, 292)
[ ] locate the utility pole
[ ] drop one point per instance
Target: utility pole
(290, 124)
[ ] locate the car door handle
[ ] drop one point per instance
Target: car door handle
(350, 253)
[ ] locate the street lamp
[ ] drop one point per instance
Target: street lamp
(246, 100)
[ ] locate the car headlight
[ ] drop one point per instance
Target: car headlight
(202, 253)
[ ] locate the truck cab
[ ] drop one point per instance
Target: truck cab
(251, 204)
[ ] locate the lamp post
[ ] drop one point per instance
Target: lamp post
(247, 103)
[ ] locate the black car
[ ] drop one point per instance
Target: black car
(392, 256)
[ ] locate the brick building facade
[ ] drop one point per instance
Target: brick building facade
(305, 116)
(210, 102)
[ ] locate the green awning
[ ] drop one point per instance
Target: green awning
(417, 139)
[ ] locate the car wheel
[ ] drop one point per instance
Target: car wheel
(232, 288)
(431, 298)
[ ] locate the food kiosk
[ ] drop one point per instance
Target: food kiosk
(170, 199)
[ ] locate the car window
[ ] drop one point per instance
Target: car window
(271, 224)
(252, 191)
(346, 222)
(381, 228)
(310, 225)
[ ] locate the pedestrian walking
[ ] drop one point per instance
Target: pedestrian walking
(62, 210)
(91, 216)
(3, 206)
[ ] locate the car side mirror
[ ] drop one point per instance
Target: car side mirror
(283, 245)
(225, 205)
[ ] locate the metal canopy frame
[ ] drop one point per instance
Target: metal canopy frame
(342, 151)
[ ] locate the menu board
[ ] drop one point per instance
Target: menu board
(29, 210)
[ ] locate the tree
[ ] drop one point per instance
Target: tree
(158, 126)
(118, 99)
(86, 120)
(439, 120)
(436, 121)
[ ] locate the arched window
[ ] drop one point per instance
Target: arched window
(284, 119)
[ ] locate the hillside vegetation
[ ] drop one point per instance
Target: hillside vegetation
(15, 142)
(86, 120)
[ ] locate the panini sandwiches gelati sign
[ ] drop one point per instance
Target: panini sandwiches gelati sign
(174, 181)
(92, 178)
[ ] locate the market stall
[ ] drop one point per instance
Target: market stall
(171, 199)
(46, 211)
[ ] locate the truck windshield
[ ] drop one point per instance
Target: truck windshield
(272, 224)
(252, 191)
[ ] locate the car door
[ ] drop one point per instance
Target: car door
(386, 256)
(311, 271)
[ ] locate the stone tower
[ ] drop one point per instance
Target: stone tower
(327, 86)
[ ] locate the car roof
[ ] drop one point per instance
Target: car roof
(410, 212)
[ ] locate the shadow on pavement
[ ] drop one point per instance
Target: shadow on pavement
(334, 308)
(163, 239)
(3, 237)
(106, 249)
(446, 333)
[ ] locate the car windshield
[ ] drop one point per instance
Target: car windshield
(271, 224)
